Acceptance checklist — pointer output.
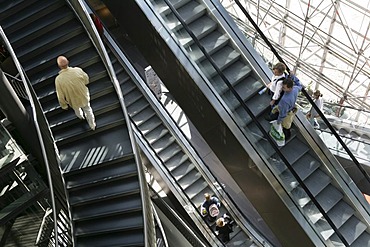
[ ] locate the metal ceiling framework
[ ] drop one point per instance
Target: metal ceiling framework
(324, 42)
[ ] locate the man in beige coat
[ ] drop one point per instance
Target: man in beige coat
(72, 91)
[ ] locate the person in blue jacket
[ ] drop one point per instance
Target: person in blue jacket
(286, 106)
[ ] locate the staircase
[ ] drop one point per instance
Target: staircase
(100, 171)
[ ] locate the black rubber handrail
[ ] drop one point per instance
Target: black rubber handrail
(308, 97)
(272, 142)
(229, 197)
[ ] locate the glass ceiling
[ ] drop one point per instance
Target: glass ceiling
(325, 42)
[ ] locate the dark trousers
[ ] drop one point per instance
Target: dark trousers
(287, 133)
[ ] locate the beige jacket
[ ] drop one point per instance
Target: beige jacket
(70, 85)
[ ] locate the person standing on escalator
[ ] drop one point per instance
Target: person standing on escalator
(210, 207)
(275, 87)
(224, 227)
(71, 88)
(286, 108)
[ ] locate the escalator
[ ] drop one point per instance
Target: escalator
(311, 199)
(102, 176)
(173, 158)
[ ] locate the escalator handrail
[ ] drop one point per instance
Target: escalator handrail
(81, 11)
(191, 231)
(189, 148)
(170, 123)
(305, 93)
(267, 136)
(38, 129)
(174, 183)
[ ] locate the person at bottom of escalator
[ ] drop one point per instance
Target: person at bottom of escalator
(210, 207)
(224, 228)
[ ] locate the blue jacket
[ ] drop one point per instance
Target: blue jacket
(287, 102)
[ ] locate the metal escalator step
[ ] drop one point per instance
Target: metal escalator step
(234, 74)
(198, 197)
(169, 151)
(162, 7)
(133, 96)
(201, 28)
(340, 213)
(248, 87)
(136, 107)
(294, 149)
(103, 125)
(190, 178)
(197, 187)
(65, 119)
(301, 197)
(223, 59)
(188, 12)
(312, 213)
(329, 197)
(289, 180)
(142, 116)
(48, 58)
(151, 120)
(241, 116)
(152, 129)
(163, 141)
(324, 228)
(257, 104)
(276, 162)
(175, 160)
(84, 56)
(127, 85)
(182, 169)
(363, 240)
(56, 37)
(317, 182)
(47, 72)
(352, 229)
(305, 166)
(212, 43)
(52, 107)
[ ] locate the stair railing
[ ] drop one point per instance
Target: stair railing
(82, 13)
(46, 141)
